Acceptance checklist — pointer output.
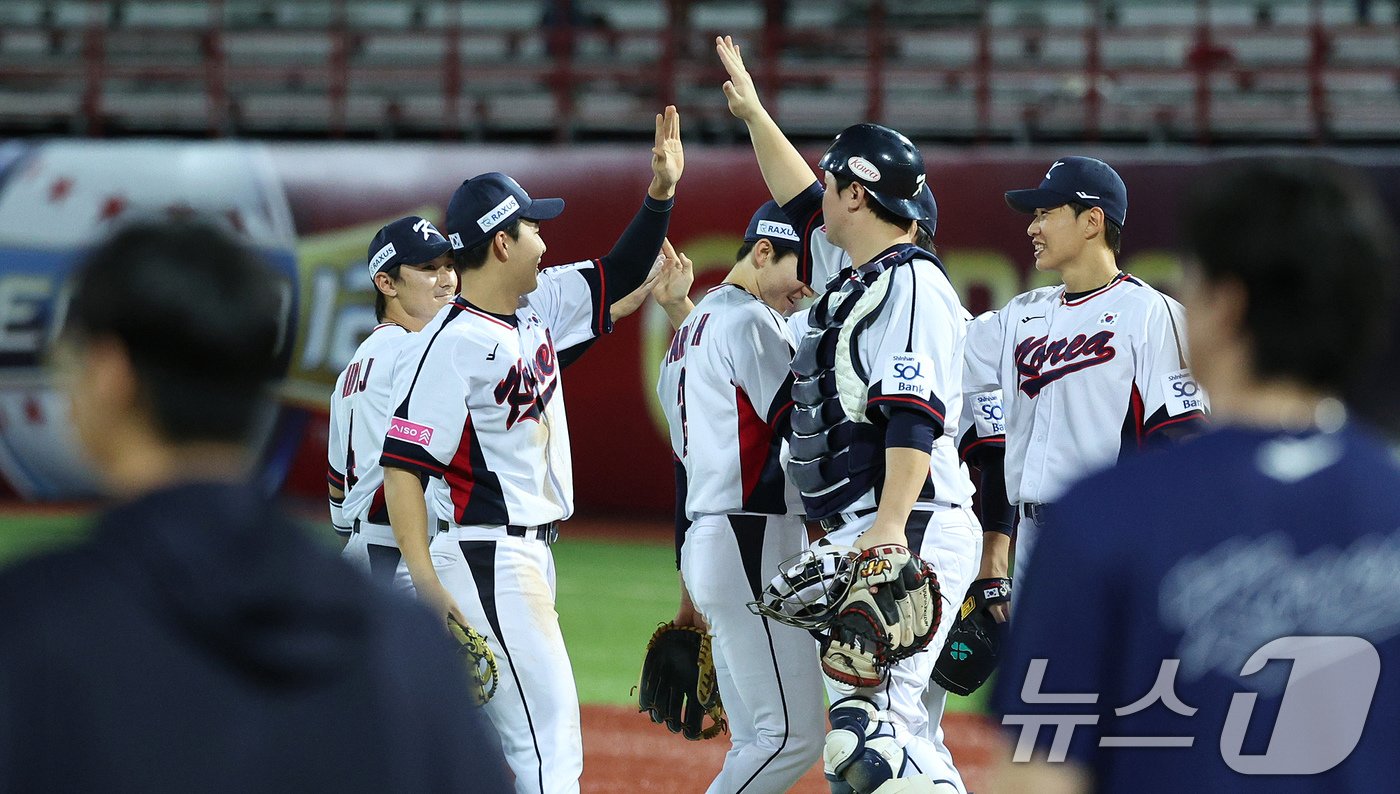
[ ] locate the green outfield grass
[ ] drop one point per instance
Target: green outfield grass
(611, 596)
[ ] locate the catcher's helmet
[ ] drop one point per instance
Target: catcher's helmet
(884, 162)
(809, 588)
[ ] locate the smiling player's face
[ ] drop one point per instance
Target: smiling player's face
(526, 253)
(425, 288)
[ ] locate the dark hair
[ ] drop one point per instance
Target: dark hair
(1314, 252)
(744, 250)
(1112, 232)
(923, 239)
(465, 259)
(200, 316)
(381, 302)
(779, 251)
(876, 207)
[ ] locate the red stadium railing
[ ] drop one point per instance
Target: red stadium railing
(577, 77)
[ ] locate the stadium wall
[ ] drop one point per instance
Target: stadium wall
(337, 195)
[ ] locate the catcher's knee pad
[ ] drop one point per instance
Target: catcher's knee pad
(861, 752)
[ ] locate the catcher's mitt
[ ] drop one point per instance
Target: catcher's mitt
(890, 612)
(973, 646)
(678, 682)
(481, 663)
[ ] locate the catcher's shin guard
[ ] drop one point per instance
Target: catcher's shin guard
(861, 752)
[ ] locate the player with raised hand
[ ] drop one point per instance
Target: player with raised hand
(481, 420)
(410, 264)
(725, 388)
(873, 446)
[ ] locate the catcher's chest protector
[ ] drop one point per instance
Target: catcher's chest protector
(837, 454)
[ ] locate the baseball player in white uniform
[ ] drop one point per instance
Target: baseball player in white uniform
(482, 420)
(1089, 370)
(873, 443)
(725, 388)
(410, 263)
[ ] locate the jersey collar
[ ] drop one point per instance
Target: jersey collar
(506, 319)
(1085, 297)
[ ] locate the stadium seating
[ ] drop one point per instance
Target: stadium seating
(1131, 70)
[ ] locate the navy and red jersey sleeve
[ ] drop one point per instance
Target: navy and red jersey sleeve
(805, 213)
(905, 352)
(1172, 404)
(428, 424)
(625, 267)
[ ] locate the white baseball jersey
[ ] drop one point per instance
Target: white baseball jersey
(821, 262)
(482, 411)
(1084, 379)
(360, 409)
(903, 348)
(724, 387)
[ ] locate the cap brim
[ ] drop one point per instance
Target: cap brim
(543, 209)
(1028, 201)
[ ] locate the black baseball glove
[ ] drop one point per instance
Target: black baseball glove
(973, 646)
(678, 684)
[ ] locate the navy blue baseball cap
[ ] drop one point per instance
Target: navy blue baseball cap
(771, 224)
(1081, 179)
(487, 203)
(406, 241)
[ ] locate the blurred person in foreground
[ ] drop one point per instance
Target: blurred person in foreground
(1226, 614)
(198, 640)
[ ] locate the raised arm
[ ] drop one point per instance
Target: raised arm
(784, 170)
(625, 267)
(672, 287)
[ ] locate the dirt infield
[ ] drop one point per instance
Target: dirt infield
(625, 751)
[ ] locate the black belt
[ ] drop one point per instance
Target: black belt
(832, 523)
(544, 533)
(1034, 511)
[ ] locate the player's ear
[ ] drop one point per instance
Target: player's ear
(500, 245)
(1093, 222)
(385, 284)
(858, 197)
(762, 254)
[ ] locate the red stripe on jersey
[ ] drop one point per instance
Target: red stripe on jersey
(804, 261)
(334, 477)
(781, 412)
(459, 476)
(604, 304)
(897, 399)
(417, 464)
(484, 315)
(1135, 403)
(378, 508)
(988, 440)
(1191, 417)
(755, 440)
(1121, 277)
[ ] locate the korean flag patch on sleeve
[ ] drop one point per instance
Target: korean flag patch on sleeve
(1181, 394)
(909, 374)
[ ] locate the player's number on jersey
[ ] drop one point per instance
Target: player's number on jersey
(680, 401)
